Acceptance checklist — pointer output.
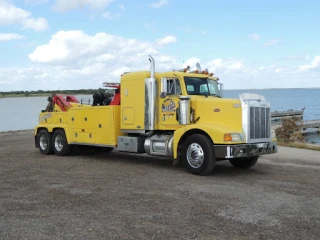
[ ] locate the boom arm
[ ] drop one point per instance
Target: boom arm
(63, 103)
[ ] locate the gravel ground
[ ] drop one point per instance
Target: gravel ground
(125, 196)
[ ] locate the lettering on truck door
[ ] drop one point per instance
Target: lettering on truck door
(170, 104)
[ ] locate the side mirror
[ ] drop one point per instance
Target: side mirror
(163, 87)
(221, 89)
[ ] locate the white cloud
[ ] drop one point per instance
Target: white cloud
(191, 62)
(67, 5)
(74, 59)
(26, 44)
(106, 15)
(75, 46)
(159, 4)
(315, 64)
(9, 14)
(254, 36)
(167, 40)
(39, 24)
(10, 36)
(91, 70)
(272, 43)
(122, 7)
(228, 65)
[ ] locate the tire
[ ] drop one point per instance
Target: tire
(103, 149)
(244, 162)
(198, 155)
(45, 142)
(60, 144)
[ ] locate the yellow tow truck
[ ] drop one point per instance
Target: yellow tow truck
(180, 114)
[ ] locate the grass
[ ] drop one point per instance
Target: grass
(299, 145)
(23, 95)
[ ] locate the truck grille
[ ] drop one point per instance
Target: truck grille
(259, 122)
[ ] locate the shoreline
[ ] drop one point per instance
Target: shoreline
(25, 94)
(18, 96)
(41, 95)
(17, 132)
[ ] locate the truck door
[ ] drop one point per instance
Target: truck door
(169, 104)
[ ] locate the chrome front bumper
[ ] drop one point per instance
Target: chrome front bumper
(245, 150)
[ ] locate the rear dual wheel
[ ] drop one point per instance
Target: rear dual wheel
(60, 144)
(53, 143)
(45, 142)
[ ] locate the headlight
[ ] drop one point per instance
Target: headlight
(233, 137)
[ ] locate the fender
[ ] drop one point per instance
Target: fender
(214, 131)
(51, 129)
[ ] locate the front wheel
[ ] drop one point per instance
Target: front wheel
(60, 144)
(198, 154)
(244, 162)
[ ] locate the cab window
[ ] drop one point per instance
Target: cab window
(173, 87)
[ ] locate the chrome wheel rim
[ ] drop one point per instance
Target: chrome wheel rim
(43, 142)
(58, 143)
(195, 155)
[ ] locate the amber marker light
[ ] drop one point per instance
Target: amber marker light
(227, 137)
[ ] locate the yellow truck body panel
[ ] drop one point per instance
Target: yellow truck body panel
(98, 125)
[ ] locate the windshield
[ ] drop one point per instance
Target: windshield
(201, 86)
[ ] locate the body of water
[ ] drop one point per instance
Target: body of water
(22, 112)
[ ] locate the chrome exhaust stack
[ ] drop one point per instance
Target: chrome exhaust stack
(150, 98)
(152, 67)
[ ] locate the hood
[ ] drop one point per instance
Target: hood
(222, 111)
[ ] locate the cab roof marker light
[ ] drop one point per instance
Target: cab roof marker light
(182, 70)
(194, 71)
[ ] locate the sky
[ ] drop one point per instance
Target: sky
(79, 44)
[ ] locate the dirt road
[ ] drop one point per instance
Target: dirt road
(121, 196)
